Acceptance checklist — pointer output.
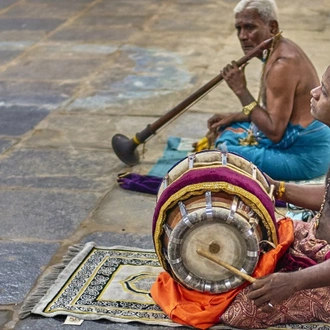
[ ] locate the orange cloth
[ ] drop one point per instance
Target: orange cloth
(203, 310)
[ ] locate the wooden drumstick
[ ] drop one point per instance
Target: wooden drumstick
(234, 270)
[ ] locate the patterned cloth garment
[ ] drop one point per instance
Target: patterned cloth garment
(302, 307)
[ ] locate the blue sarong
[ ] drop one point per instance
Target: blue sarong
(302, 154)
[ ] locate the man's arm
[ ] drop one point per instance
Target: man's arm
(281, 83)
(306, 196)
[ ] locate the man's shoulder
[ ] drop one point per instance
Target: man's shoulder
(289, 50)
(289, 57)
(281, 64)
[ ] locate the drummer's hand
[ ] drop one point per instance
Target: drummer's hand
(235, 77)
(271, 289)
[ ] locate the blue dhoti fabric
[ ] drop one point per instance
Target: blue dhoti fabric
(302, 154)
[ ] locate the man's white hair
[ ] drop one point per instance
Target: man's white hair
(267, 9)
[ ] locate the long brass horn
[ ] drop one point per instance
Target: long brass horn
(125, 148)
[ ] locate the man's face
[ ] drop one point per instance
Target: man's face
(320, 101)
(251, 29)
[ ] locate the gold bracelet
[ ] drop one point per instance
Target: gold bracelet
(247, 109)
(281, 190)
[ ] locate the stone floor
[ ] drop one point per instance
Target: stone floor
(74, 73)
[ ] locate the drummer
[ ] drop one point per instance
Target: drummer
(274, 130)
(300, 292)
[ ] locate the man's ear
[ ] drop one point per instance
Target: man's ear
(273, 27)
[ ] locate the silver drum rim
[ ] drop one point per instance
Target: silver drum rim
(199, 217)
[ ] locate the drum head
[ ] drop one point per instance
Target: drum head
(229, 239)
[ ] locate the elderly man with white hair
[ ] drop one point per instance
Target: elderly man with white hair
(275, 130)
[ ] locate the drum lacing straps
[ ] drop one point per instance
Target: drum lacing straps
(207, 287)
(253, 221)
(228, 284)
(233, 209)
(168, 230)
(254, 171)
(208, 206)
(254, 176)
(191, 160)
(251, 254)
(224, 153)
(271, 191)
(248, 233)
(165, 182)
(184, 214)
(267, 242)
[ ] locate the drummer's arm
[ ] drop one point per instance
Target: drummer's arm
(306, 196)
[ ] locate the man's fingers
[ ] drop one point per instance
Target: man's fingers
(217, 126)
(242, 67)
(234, 65)
(226, 69)
(254, 294)
(261, 300)
(267, 308)
(256, 290)
(214, 126)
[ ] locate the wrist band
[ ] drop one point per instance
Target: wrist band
(247, 109)
(281, 190)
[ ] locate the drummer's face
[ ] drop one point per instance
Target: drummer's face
(251, 29)
(320, 101)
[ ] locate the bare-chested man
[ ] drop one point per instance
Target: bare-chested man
(286, 142)
(299, 293)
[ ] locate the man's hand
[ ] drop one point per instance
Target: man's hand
(272, 289)
(214, 122)
(217, 122)
(235, 78)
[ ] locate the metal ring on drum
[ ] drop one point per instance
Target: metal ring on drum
(226, 235)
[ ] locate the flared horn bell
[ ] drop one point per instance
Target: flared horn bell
(125, 149)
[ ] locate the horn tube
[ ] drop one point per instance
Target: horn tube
(126, 148)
